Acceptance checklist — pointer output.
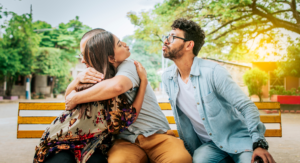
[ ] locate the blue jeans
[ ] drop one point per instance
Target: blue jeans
(210, 153)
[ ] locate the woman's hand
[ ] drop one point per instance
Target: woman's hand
(141, 71)
(70, 101)
(90, 75)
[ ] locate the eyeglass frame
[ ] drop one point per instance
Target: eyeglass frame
(167, 37)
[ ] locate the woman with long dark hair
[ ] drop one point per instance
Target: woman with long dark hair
(84, 134)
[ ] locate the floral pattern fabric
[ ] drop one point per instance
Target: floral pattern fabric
(85, 128)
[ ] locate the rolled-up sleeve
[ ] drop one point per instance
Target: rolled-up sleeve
(231, 92)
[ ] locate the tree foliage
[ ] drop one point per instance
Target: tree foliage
(255, 79)
(67, 36)
(18, 45)
(52, 62)
(290, 63)
(230, 25)
(28, 47)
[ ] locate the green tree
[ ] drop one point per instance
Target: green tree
(255, 79)
(66, 36)
(289, 64)
(18, 44)
(54, 62)
(229, 24)
(59, 48)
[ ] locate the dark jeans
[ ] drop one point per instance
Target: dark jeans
(68, 157)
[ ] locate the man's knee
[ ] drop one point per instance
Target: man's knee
(182, 158)
(128, 159)
(125, 152)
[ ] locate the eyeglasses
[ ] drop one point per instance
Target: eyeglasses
(80, 56)
(170, 38)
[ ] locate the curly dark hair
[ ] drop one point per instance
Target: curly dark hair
(192, 31)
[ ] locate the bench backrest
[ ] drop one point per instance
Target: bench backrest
(164, 106)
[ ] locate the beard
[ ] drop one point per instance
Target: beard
(174, 53)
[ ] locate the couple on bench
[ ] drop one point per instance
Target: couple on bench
(112, 114)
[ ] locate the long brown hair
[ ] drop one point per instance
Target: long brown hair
(97, 51)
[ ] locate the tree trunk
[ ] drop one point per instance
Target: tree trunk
(52, 86)
(260, 98)
(9, 84)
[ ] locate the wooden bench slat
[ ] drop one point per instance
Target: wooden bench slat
(171, 119)
(35, 120)
(30, 134)
(176, 133)
(267, 105)
(273, 133)
(165, 106)
(42, 106)
(270, 118)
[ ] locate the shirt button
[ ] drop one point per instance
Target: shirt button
(210, 135)
(194, 87)
(221, 147)
(198, 103)
(203, 119)
(235, 151)
(191, 75)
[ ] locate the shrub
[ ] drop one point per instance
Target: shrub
(255, 79)
(279, 90)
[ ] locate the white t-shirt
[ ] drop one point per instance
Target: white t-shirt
(187, 104)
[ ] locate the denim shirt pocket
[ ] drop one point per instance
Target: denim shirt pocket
(212, 105)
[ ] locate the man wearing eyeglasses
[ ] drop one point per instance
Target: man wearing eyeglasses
(215, 119)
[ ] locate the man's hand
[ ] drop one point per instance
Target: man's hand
(263, 154)
(90, 75)
(70, 101)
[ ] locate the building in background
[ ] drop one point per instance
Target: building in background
(40, 84)
(288, 82)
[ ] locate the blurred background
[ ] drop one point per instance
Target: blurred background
(257, 41)
(39, 41)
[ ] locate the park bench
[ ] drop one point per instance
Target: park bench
(25, 106)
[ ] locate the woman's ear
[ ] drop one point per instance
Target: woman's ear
(111, 59)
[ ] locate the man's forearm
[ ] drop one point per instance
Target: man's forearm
(71, 87)
(104, 90)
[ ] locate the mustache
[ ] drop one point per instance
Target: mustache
(167, 46)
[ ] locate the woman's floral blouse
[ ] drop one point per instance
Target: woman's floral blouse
(85, 128)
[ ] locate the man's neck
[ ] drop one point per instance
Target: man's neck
(184, 65)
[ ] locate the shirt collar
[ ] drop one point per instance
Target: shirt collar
(195, 71)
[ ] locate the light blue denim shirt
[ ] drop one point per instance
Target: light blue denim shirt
(230, 118)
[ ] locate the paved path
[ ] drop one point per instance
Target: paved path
(12, 150)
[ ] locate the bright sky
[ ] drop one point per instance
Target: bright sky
(110, 15)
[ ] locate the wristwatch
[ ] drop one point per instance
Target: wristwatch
(261, 143)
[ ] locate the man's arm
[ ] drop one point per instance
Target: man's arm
(101, 91)
(90, 75)
(227, 88)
